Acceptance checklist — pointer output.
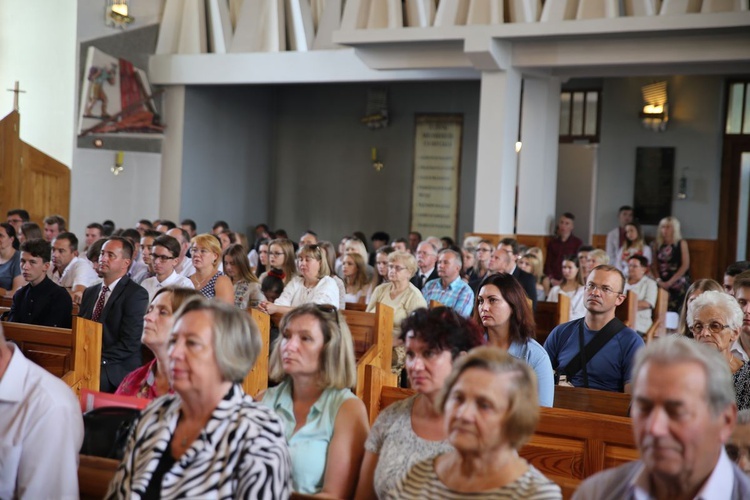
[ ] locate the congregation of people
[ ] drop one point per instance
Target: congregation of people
(464, 340)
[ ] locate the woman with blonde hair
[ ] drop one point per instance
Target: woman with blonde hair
(355, 245)
(324, 423)
(281, 260)
(246, 285)
(313, 284)
(205, 251)
(532, 265)
(634, 245)
(672, 263)
(358, 287)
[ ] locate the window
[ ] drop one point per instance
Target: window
(738, 108)
(579, 115)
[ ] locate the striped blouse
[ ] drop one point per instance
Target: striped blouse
(422, 482)
(241, 453)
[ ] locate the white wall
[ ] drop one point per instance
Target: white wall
(576, 181)
(38, 48)
(97, 194)
(695, 131)
(91, 17)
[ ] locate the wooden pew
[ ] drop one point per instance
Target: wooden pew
(372, 335)
(356, 306)
(592, 401)
(660, 312)
(568, 445)
(550, 314)
(257, 379)
(627, 312)
(73, 355)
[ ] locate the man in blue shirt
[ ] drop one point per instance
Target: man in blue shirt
(450, 290)
(609, 369)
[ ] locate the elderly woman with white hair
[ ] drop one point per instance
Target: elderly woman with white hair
(715, 319)
(210, 439)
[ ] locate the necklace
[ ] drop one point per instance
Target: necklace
(201, 283)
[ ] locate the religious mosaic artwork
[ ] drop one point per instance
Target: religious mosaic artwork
(115, 97)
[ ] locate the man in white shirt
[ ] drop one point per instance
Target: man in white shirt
(68, 270)
(426, 259)
(41, 430)
(94, 231)
(164, 253)
(683, 412)
(184, 266)
(616, 237)
(741, 347)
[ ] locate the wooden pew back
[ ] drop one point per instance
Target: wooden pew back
(627, 312)
(73, 355)
(592, 401)
(550, 314)
(372, 335)
(257, 379)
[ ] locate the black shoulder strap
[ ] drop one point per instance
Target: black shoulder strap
(592, 348)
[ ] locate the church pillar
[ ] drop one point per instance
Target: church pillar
(537, 175)
(500, 100)
(172, 148)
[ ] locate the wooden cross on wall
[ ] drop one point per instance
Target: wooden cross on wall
(16, 90)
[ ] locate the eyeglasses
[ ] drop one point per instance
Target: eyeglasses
(591, 287)
(276, 254)
(329, 309)
(481, 249)
(713, 327)
(392, 267)
(163, 258)
(201, 251)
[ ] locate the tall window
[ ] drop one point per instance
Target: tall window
(579, 115)
(738, 108)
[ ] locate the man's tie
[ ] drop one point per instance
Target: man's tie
(424, 280)
(100, 303)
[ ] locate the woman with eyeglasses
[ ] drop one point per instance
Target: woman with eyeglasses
(715, 319)
(402, 296)
(313, 285)
(325, 424)
(693, 292)
(280, 260)
(502, 308)
(412, 429)
(205, 252)
(572, 286)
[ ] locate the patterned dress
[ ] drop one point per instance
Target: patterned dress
(209, 290)
(669, 260)
(240, 453)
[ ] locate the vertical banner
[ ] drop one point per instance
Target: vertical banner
(437, 164)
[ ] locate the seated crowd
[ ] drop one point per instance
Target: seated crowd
(464, 340)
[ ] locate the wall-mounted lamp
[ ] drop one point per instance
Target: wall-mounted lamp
(682, 185)
(655, 115)
(119, 160)
(519, 145)
(117, 15)
(376, 164)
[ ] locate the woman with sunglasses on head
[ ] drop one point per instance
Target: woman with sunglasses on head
(313, 285)
(324, 423)
(502, 308)
(412, 430)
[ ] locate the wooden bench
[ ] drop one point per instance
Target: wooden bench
(592, 401)
(550, 314)
(372, 335)
(568, 445)
(72, 354)
(257, 379)
(356, 306)
(627, 312)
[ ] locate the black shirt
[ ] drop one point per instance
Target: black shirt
(45, 304)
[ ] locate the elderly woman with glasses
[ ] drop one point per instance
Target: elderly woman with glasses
(490, 410)
(325, 424)
(209, 439)
(715, 319)
(205, 252)
(313, 284)
(402, 296)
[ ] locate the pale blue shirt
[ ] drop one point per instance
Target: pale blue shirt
(534, 354)
(309, 445)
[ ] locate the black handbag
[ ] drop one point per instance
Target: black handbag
(106, 431)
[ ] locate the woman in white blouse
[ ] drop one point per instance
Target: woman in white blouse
(313, 284)
(572, 286)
